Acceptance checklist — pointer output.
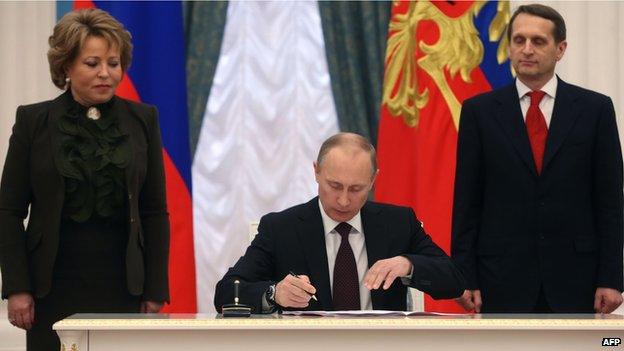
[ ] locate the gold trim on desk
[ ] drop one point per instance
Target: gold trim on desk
(466, 322)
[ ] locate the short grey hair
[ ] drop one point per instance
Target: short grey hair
(353, 139)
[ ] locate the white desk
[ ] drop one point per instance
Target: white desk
(99, 332)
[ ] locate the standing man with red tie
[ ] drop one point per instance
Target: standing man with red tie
(538, 217)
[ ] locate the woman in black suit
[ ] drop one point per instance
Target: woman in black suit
(89, 165)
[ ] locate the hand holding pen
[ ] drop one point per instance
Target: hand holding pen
(305, 278)
(294, 291)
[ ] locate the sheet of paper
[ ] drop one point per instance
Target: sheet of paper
(365, 313)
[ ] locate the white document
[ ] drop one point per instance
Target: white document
(366, 313)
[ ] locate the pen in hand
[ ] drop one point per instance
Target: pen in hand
(296, 276)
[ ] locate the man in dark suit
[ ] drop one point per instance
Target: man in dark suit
(382, 243)
(537, 220)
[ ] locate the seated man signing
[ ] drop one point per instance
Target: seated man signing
(339, 251)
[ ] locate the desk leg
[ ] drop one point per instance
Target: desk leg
(73, 340)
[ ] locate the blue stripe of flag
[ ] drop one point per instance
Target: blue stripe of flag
(158, 70)
(497, 75)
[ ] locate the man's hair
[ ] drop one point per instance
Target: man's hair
(342, 139)
(71, 32)
(543, 11)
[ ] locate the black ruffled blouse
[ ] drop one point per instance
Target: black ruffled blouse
(93, 157)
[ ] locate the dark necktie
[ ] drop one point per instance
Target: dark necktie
(536, 128)
(346, 282)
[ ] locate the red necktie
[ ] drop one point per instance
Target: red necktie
(346, 294)
(536, 128)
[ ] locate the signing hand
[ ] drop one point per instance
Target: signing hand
(294, 291)
(151, 306)
(470, 300)
(607, 300)
(386, 271)
(21, 310)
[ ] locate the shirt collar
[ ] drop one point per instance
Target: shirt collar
(329, 224)
(550, 88)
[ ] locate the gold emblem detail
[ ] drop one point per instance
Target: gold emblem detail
(498, 30)
(458, 50)
(74, 347)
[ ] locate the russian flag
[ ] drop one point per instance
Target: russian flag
(157, 76)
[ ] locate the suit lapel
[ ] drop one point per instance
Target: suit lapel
(563, 118)
(118, 109)
(510, 118)
(312, 236)
(58, 108)
(376, 244)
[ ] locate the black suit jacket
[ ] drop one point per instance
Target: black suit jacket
(294, 240)
(30, 177)
(515, 231)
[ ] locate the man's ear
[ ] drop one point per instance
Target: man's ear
(317, 170)
(561, 48)
(374, 178)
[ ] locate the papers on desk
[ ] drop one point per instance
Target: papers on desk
(365, 313)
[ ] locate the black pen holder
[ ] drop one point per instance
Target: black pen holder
(236, 310)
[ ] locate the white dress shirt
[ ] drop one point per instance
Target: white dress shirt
(548, 101)
(358, 245)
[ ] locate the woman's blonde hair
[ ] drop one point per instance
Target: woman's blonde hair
(71, 32)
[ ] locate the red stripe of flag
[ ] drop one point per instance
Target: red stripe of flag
(417, 164)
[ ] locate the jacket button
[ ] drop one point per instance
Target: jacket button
(129, 196)
(131, 220)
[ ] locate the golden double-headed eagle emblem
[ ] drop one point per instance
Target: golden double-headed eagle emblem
(458, 50)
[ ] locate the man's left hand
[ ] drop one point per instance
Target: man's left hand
(151, 306)
(386, 271)
(607, 300)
